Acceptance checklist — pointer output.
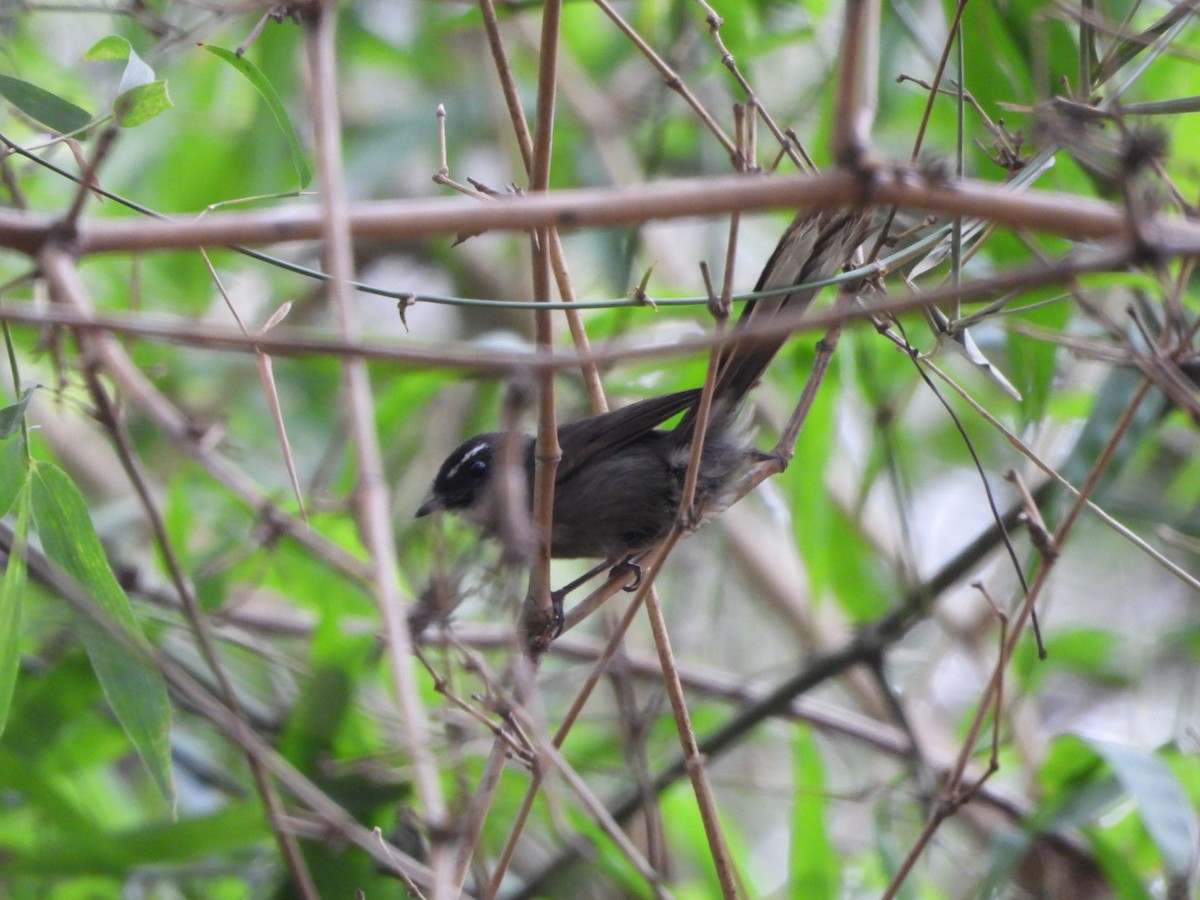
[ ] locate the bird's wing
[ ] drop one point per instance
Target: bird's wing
(604, 434)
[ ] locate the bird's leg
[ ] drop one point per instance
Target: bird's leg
(557, 597)
(582, 579)
(626, 565)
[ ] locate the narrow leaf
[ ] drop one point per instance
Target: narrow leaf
(266, 374)
(13, 464)
(42, 106)
(12, 593)
(815, 864)
(278, 316)
(965, 344)
(10, 416)
(266, 90)
(134, 688)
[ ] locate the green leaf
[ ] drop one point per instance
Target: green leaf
(42, 106)
(815, 865)
(1113, 859)
(13, 464)
(1112, 398)
(1067, 766)
(1033, 362)
(140, 96)
(1165, 808)
(1078, 791)
(137, 72)
(112, 46)
(77, 836)
(1009, 847)
(266, 90)
(12, 592)
(890, 848)
(141, 104)
(1089, 652)
(812, 513)
(133, 687)
(11, 416)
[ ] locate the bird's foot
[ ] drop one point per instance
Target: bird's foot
(624, 567)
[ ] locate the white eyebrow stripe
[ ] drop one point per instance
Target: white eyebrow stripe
(467, 457)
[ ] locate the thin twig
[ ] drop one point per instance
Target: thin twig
(292, 342)
(64, 281)
(671, 77)
(538, 609)
(320, 40)
(1035, 588)
(816, 670)
(193, 695)
(953, 796)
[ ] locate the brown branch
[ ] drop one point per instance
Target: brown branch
(375, 516)
(66, 287)
(538, 606)
(396, 220)
(188, 691)
(1114, 256)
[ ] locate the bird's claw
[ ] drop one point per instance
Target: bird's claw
(623, 567)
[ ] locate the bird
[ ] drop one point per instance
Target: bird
(619, 482)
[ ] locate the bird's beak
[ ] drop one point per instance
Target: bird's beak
(433, 504)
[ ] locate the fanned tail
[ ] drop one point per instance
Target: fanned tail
(814, 247)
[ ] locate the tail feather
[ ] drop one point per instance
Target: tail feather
(814, 247)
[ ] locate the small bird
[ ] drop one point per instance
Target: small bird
(620, 479)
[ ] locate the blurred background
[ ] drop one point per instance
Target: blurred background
(863, 589)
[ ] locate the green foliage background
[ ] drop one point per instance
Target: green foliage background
(106, 791)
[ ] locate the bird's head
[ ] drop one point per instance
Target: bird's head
(462, 481)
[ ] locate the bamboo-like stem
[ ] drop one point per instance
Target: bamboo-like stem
(1110, 256)
(67, 287)
(538, 608)
(376, 521)
(397, 220)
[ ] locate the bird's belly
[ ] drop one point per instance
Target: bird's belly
(624, 505)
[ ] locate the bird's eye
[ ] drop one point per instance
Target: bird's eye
(478, 467)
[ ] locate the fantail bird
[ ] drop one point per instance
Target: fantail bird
(620, 479)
